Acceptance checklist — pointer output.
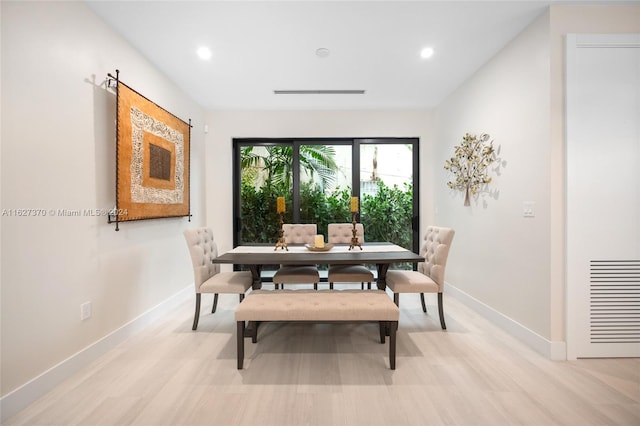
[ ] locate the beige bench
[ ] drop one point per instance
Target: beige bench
(318, 306)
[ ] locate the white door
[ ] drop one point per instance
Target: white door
(603, 195)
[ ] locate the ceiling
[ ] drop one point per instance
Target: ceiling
(262, 46)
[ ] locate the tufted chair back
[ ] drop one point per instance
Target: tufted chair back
(299, 233)
(341, 233)
(203, 249)
(435, 249)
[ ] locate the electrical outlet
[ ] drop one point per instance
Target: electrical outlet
(85, 311)
(528, 209)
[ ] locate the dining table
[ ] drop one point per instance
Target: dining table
(382, 254)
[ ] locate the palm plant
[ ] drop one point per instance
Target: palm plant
(277, 163)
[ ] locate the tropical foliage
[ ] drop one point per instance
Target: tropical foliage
(266, 175)
(275, 166)
(386, 215)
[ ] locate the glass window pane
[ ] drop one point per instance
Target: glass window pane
(324, 187)
(386, 192)
(265, 176)
(325, 184)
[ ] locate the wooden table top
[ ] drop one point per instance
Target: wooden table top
(379, 253)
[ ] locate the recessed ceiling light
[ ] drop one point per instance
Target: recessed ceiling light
(322, 52)
(427, 52)
(204, 53)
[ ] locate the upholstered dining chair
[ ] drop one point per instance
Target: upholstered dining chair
(341, 233)
(298, 233)
(429, 278)
(206, 275)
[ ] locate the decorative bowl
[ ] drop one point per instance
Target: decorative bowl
(327, 247)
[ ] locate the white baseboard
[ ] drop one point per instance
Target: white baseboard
(556, 351)
(18, 399)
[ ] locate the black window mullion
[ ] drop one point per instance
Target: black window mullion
(236, 171)
(295, 170)
(417, 238)
(355, 169)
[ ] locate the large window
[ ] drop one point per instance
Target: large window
(317, 177)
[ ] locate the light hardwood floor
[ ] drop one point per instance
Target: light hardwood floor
(338, 374)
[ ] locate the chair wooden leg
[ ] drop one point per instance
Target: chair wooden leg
(383, 331)
(241, 297)
(441, 311)
(424, 306)
(197, 314)
(369, 285)
(396, 299)
(330, 286)
(215, 303)
(315, 286)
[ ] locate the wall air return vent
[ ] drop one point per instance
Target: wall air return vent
(615, 301)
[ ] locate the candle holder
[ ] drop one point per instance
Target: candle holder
(354, 238)
(281, 243)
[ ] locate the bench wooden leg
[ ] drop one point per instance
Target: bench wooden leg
(393, 326)
(240, 349)
(251, 330)
(254, 334)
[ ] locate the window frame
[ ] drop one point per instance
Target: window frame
(295, 143)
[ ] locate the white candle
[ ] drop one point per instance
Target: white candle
(319, 241)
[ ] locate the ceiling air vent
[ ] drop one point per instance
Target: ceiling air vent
(319, 92)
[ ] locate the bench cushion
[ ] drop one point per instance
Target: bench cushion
(317, 305)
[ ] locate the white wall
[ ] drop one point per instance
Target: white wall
(58, 152)
(226, 125)
(518, 97)
(498, 256)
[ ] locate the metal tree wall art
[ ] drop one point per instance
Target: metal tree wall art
(470, 164)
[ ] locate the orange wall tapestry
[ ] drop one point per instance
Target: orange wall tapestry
(152, 164)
